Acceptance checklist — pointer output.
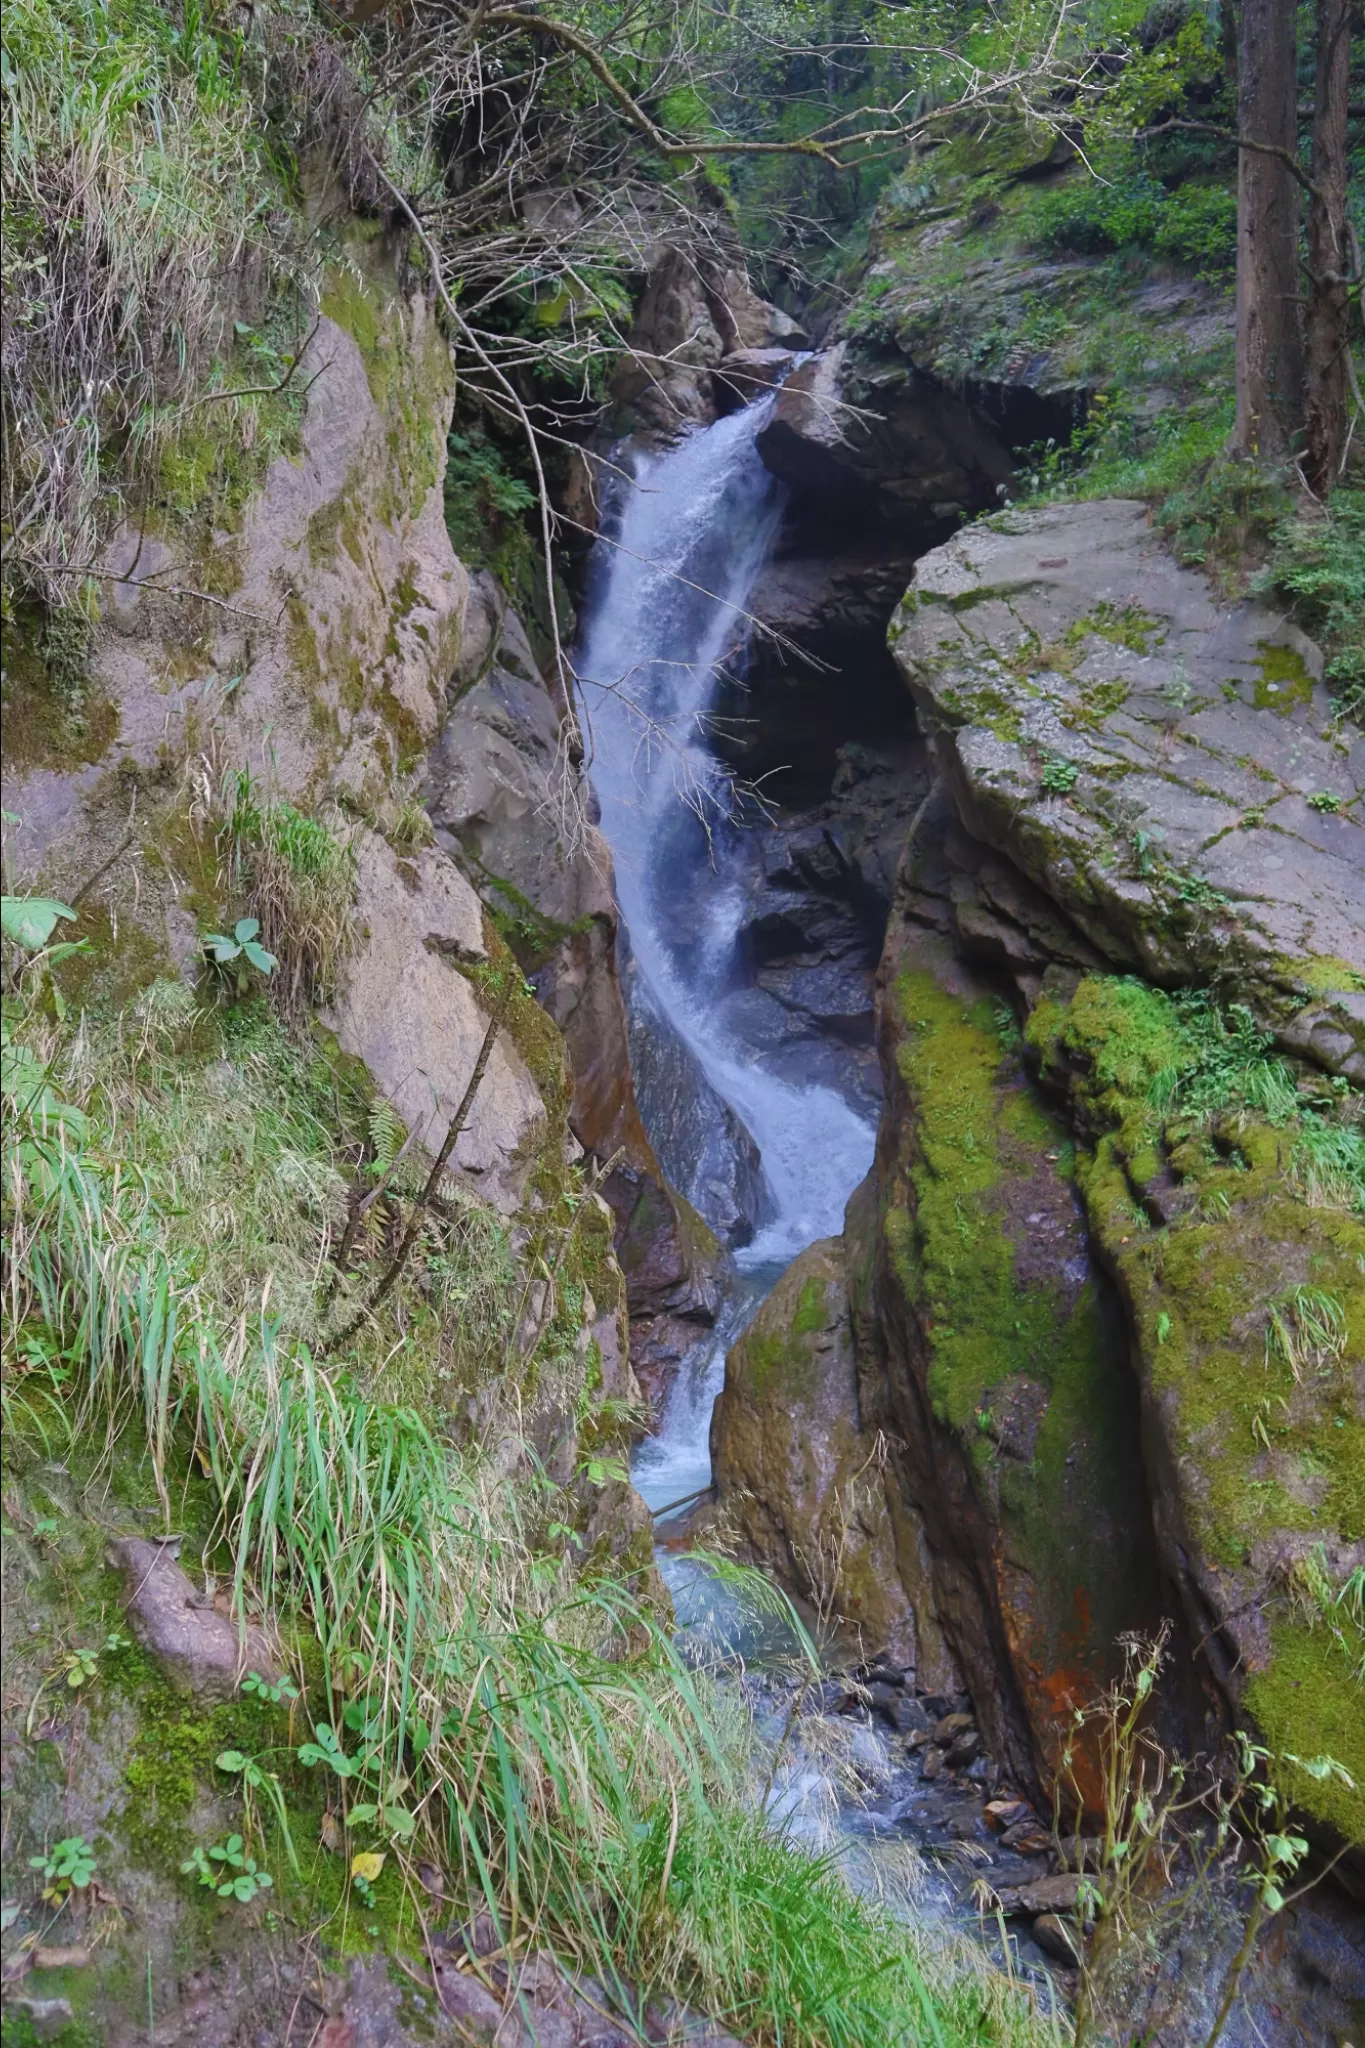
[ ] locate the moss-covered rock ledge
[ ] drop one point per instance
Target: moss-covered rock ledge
(1149, 847)
(1164, 767)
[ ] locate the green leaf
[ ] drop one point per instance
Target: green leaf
(31, 920)
(246, 928)
(258, 957)
(230, 1760)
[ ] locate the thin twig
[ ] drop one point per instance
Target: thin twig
(419, 1208)
(117, 855)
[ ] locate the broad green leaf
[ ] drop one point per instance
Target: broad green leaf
(31, 920)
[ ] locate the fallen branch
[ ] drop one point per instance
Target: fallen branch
(419, 1207)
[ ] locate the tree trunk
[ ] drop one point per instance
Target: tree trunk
(1269, 349)
(1327, 336)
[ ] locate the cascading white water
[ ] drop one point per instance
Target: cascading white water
(667, 604)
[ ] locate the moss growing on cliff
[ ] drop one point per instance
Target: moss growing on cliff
(1247, 1302)
(1024, 1360)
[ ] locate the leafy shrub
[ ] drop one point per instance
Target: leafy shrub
(1197, 225)
(1319, 565)
(1193, 225)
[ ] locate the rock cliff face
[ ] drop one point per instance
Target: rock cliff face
(1106, 1288)
(509, 809)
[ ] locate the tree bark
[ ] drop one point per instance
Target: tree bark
(1269, 347)
(1327, 332)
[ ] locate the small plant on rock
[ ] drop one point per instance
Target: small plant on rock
(1059, 775)
(271, 1690)
(69, 1866)
(228, 1870)
(236, 956)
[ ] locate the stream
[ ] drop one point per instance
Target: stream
(769, 1163)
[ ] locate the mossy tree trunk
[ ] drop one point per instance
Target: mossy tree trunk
(1328, 325)
(1269, 345)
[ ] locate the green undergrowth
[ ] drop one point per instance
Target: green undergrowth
(476, 1691)
(1226, 1191)
(296, 876)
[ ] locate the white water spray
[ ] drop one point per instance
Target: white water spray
(668, 606)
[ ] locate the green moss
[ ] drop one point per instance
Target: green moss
(777, 1357)
(1307, 1704)
(1267, 1447)
(1284, 682)
(52, 719)
(1321, 974)
(1010, 1349)
(357, 311)
(1124, 625)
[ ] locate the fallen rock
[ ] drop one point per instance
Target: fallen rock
(1027, 1837)
(795, 1473)
(1043, 1895)
(1146, 754)
(1058, 1938)
(202, 1652)
(951, 1726)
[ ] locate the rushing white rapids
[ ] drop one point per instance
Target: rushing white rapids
(667, 605)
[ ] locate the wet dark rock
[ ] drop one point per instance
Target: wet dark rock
(951, 1726)
(913, 1718)
(910, 460)
(787, 1445)
(883, 1674)
(1058, 1938)
(931, 1761)
(938, 1704)
(1042, 1895)
(885, 1700)
(745, 374)
(1027, 1837)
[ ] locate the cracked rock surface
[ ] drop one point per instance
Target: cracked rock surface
(1162, 765)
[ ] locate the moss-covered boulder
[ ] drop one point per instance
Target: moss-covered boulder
(1240, 1258)
(1000, 1356)
(801, 1480)
(1162, 766)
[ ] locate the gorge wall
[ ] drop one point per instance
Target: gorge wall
(1119, 1013)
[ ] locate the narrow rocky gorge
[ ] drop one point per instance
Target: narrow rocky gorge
(892, 986)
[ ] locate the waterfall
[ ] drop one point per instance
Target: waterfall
(666, 608)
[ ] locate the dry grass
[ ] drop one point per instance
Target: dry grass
(139, 211)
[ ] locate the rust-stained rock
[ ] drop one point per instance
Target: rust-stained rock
(992, 1353)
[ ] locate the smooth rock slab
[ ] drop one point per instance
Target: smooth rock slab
(1145, 754)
